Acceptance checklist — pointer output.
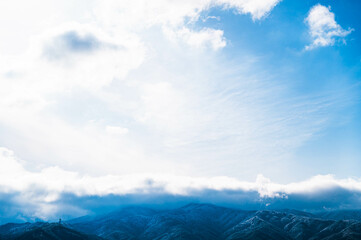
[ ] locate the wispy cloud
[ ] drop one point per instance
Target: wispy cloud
(323, 28)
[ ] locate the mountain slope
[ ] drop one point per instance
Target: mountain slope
(194, 221)
(205, 221)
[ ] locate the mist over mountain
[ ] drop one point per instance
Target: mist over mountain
(195, 221)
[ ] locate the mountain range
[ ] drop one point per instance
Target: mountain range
(194, 221)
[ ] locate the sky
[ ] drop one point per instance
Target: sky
(258, 102)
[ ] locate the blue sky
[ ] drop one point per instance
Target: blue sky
(251, 96)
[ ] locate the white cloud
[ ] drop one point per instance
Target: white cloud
(174, 13)
(118, 49)
(19, 24)
(323, 28)
(52, 66)
(206, 37)
(257, 8)
(175, 16)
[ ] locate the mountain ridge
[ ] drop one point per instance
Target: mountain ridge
(194, 221)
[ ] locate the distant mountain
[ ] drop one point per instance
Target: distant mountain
(341, 215)
(193, 221)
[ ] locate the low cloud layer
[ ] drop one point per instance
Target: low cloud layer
(46, 194)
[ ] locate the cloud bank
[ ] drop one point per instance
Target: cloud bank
(46, 194)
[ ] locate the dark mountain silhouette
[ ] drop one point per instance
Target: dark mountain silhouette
(194, 221)
(42, 231)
